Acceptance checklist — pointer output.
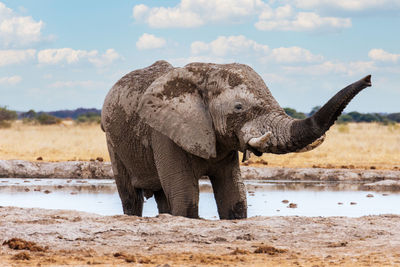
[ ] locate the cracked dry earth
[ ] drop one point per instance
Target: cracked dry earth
(40, 237)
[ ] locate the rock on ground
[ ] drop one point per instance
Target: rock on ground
(103, 170)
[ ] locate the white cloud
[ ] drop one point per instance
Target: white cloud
(70, 56)
(71, 84)
(106, 59)
(231, 44)
(13, 80)
(382, 55)
(18, 30)
(329, 67)
(240, 45)
(8, 57)
(302, 21)
(149, 41)
(348, 5)
(61, 55)
(194, 13)
(294, 54)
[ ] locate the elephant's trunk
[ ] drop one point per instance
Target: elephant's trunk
(291, 135)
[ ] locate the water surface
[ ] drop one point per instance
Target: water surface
(264, 198)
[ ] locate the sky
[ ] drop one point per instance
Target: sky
(68, 54)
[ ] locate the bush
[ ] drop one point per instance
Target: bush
(89, 117)
(6, 116)
(294, 114)
(46, 119)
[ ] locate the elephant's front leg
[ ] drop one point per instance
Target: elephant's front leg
(229, 190)
(177, 176)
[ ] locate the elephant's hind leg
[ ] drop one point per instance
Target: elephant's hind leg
(162, 202)
(131, 197)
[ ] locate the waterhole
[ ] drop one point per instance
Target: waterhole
(265, 198)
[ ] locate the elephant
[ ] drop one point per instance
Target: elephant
(166, 127)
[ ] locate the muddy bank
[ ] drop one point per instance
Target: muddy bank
(57, 237)
(103, 170)
(67, 169)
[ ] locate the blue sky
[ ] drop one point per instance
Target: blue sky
(68, 54)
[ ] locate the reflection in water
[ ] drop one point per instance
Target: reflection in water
(264, 198)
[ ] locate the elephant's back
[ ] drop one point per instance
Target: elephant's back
(123, 98)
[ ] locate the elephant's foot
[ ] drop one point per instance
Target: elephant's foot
(187, 210)
(239, 211)
(132, 204)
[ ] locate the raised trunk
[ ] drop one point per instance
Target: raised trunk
(298, 134)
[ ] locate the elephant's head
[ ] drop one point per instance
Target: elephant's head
(207, 107)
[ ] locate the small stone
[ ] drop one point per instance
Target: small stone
(340, 203)
(47, 191)
(100, 159)
(370, 195)
(353, 203)
(292, 206)
(285, 201)
(39, 158)
(27, 190)
(92, 160)
(372, 167)
(385, 194)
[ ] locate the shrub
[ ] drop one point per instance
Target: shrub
(89, 117)
(294, 113)
(6, 116)
(46, 119)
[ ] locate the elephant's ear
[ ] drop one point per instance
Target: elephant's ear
(173, 105)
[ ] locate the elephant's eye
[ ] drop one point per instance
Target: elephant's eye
(238, 106)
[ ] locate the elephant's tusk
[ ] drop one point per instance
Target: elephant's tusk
(260, 142)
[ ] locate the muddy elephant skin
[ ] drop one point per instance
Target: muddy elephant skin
(167, 127)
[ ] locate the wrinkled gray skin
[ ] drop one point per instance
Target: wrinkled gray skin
(166, 127)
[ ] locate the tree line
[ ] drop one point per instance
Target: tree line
(353, 116)
(47, 118)
(82, 115)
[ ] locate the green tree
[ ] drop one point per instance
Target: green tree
(6, 116)
(89, 117)
(47, 119)
(294, 113)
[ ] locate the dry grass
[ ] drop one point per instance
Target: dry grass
(354, 145)
(53, 142)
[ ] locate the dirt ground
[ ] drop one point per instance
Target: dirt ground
(39, 237)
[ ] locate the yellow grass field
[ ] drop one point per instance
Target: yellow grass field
(363, 145)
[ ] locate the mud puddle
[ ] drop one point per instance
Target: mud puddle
(265, 198)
